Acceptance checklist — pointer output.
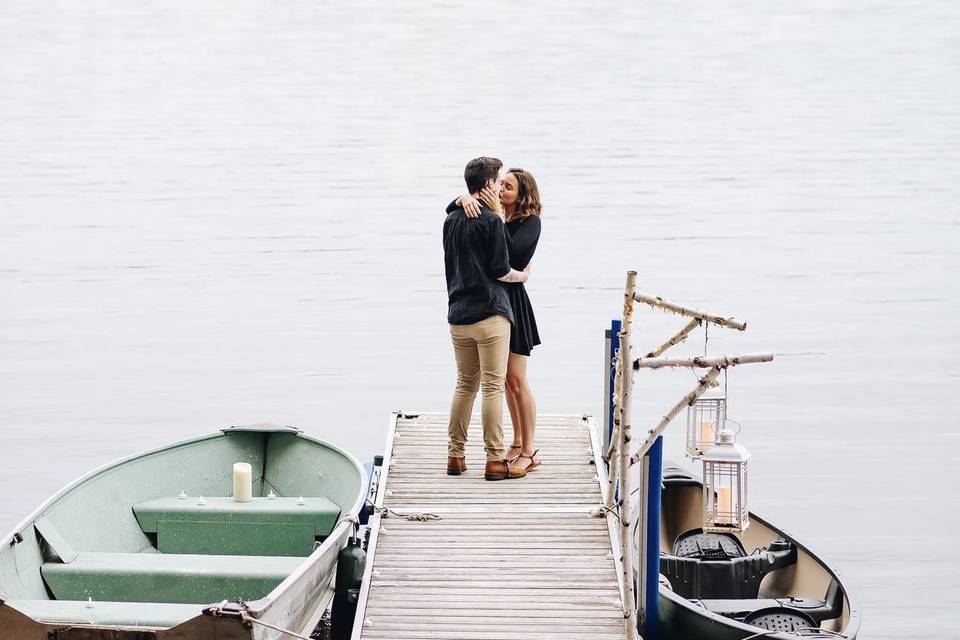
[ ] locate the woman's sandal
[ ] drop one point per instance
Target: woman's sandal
(512, 458)
(534, 463)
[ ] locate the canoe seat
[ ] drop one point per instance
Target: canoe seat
(715, 566)
(132, 614)
(217, 525)
(164, 577)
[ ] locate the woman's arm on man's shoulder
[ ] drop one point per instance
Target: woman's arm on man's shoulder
(469, 204)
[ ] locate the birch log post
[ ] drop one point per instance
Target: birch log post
(660, 303)
(702, 385)
(626, 387)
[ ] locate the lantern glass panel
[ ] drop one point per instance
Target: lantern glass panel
(725, 489)
(705, 417)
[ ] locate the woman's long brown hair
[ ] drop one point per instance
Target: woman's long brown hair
(528, 195)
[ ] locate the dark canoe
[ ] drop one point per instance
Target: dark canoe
(777, 581)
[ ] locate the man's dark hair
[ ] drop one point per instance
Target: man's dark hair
(479, 170)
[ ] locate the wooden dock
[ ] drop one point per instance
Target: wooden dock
(524, 559)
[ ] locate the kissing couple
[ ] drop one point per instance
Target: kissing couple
(489, 237)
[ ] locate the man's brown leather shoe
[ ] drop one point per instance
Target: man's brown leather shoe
(503, 470)
(456, 466)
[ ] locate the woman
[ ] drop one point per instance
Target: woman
(519, 206)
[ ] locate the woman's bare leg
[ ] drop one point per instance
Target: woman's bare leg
(526, 406)
(517, 447)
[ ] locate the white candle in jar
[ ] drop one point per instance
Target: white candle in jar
(242, 482)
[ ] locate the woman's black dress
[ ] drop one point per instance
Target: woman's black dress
(522, 237)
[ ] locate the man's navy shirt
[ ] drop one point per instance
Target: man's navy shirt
(475, 255)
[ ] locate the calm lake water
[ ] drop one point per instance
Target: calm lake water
(215, 213)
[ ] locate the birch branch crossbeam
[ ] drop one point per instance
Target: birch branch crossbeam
(660, 303)
(701, 362)
(703, 384)
(676, 338)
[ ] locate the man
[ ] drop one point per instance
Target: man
(479, 313)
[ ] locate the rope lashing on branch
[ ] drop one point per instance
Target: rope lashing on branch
(614, 512)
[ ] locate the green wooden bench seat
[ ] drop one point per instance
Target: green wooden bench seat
(162, 577)
(132, 614)
(263, 526)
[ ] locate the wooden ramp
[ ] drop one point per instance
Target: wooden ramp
(514, 560)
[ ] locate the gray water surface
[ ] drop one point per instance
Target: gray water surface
(215, 213)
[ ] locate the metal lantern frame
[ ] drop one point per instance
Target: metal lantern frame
(725, 485)
(705, 416)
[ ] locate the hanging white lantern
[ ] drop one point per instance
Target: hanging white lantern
(725, 484)
(704, 418)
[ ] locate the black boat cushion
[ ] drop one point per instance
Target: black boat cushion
(717, 574)
(708, 546)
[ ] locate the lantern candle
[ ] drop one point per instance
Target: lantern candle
(242, 482)
(724, 504)
(706, 434)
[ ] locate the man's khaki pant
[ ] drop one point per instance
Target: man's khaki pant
(481, 350)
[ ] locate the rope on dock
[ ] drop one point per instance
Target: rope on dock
(385, 512)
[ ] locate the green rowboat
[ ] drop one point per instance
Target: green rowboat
(155, 547)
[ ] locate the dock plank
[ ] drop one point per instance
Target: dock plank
(506, 559)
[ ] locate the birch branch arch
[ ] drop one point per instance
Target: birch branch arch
(621, 460)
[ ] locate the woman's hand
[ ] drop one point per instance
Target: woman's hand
(471, 206)
(526, 269)
(492, 200)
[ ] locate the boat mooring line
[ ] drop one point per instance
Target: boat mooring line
(385, 512)
(243, 613)
(246, 617)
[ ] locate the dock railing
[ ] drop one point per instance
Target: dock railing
(621, 367)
